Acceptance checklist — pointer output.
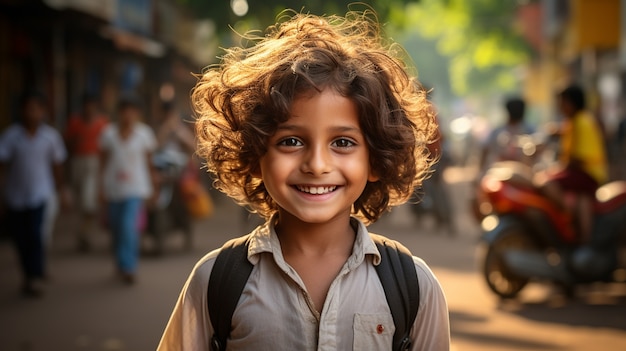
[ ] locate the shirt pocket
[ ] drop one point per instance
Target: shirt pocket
(373, 332)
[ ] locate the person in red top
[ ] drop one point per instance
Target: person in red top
(82, 135)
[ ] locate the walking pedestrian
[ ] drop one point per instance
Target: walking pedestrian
(127, 181)
(82, 136)
(319, 129)
(31, 163)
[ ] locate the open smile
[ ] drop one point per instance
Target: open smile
(316, 190)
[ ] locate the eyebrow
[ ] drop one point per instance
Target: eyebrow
(341, 129)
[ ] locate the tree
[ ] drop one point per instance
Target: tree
(478, 38)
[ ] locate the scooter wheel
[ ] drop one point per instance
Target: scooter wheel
(498, 276)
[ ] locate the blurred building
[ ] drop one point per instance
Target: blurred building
(106, 47)
(578, 41)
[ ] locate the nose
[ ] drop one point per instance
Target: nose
(317, 160)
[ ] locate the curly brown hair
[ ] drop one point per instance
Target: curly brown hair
(241, 101)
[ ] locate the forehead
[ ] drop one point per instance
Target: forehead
(327, 107)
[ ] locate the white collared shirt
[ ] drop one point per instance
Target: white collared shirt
(30, 158)
(126, 173)
(274, 311)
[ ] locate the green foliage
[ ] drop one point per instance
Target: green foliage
(461, 46)
(262, 13)
(265, 11)
(478, 37)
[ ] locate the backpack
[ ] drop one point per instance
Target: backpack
(396, 272)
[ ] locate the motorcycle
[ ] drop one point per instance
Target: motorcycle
(527, 237)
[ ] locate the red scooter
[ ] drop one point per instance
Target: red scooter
(528, 238)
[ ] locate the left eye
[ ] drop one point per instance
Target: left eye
(290, 142)
(343, 143)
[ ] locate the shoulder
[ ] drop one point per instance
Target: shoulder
(584, 119)
(197, 284)
(9, 139)
(195, 289)
(108, 136)
(11, 131)
(144, 129)
(48, 129)
(425, 276)
(189, 327)
(428, 282)
(50, 132)
(199, 277)
(146, 133)
(201, 272)
(109, 129)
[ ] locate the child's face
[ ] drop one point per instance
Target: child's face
(317, 162)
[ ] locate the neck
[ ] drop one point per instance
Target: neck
(126, 125)
(30, 127)
(125, 129)
(333, 236)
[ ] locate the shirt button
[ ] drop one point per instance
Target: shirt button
(380, 328)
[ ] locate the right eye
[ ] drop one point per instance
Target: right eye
(291, 142)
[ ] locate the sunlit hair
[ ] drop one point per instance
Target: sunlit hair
(241, 101)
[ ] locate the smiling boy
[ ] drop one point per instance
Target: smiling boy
(319, 129)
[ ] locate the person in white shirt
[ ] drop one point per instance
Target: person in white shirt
(127, 181)
(31, 163)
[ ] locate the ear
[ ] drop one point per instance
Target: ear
(372, 177)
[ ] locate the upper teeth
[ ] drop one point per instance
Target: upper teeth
(316, 189)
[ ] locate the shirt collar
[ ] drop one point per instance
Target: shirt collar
(264, 239)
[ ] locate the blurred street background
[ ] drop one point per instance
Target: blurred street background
(474, 54)
(86, 308)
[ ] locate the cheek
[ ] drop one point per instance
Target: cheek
(358, 169)
(271, 168)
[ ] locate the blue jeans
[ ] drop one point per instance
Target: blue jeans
(123, 221)
(25, 226)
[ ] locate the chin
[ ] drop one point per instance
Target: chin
(319, 218)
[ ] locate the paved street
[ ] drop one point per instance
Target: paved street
(85, 308)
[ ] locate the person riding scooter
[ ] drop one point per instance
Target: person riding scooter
(582, 166)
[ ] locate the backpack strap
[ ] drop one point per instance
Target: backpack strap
(398, 276)
(228, 278)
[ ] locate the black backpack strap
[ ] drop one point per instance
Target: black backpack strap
(398, 276)
(228, 278)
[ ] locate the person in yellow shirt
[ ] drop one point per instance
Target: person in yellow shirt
(582, 161)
